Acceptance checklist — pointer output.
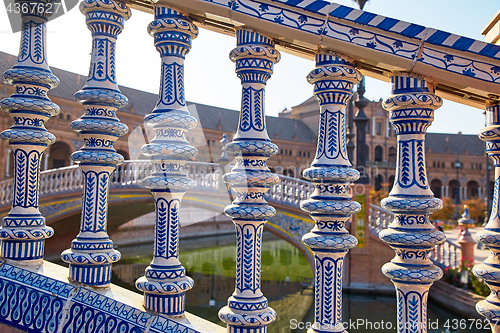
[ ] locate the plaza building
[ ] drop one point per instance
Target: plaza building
(445, 154)
(294, 138)
(294, 131)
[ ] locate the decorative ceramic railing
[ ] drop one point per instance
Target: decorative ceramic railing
(379, 218)
(444, 255)
(289, 191)
(344, 42)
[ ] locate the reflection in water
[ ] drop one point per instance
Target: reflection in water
(210, 261)
(284, 271)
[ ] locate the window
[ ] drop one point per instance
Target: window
(379, 153)
(308, 154)
(379, 128)
(368, 127)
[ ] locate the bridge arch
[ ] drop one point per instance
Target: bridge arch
(61, 199)
(436, 186)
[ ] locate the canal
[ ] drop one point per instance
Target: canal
(286, 279)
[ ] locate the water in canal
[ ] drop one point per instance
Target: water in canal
(210, 261)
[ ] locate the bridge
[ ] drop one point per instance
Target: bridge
(61, 192)
(61, 198)
(424, 66)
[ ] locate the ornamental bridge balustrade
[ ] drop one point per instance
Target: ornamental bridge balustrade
(424, 65)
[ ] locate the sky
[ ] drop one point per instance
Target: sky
(209, 74)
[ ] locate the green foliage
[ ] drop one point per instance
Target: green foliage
(476, 209)
(476, 285)
(377, 196)
(446, 213)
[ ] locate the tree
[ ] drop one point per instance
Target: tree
(446, 213)
(476, 209)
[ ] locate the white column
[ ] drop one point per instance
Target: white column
(443, 195)
(7, 164)
(490, 236)
(411, 234)
(46, 161)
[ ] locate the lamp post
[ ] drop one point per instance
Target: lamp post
(457, 166)
(465, 240)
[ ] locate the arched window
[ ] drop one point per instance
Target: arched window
(59, 155)
(436, 187)
(393, 155)
(378, 182)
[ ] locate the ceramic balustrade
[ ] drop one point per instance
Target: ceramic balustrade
(489, 271)
(250, 178)
(331, 172)
(23, 231)
(129, 173)
(92, 254)
(411, 234)
(165, 282)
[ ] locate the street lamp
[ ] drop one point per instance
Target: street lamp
(457, 166)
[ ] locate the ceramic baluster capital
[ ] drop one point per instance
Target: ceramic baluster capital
(250, 179)
(23, 231)
(330, 205)
(490, 236)
(165, 282)
(412, 236)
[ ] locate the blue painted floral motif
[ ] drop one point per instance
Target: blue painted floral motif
(91, 253)
(330, 205)
(469, 72)
(411, 234)
(23, 231)
(165, 282)
(247, 309)
(490, 237)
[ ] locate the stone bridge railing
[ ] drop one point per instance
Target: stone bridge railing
(443, 255)
(289, 191)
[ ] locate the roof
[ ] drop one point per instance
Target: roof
(143, 102)
(286, 129)
(456, 144)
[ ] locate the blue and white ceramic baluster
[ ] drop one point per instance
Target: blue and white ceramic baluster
(411, 235)
(23, 231)
(331, 172)
(165, 282)
(247, 310)
(91, 254)
(489, 271)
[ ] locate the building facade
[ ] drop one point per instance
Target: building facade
(445, 154)
(294, 131)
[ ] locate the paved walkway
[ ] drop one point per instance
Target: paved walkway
(479, 255)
